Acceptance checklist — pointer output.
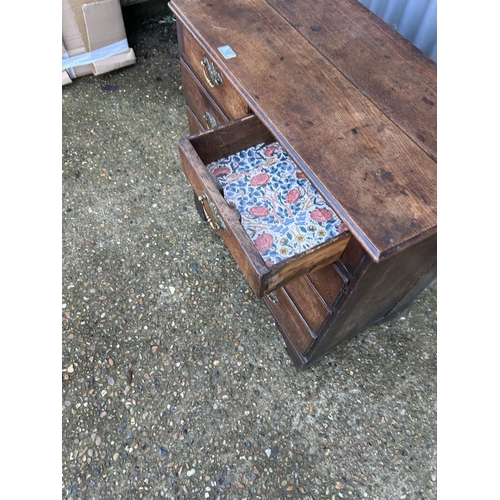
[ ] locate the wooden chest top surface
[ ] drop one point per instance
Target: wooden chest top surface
(353, 103)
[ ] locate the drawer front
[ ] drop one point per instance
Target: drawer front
(194, 124)
(308, 301)
(198, 151)
(328, 283)
(201, 104)
(221, 89)
(292, 325)
(303, 307)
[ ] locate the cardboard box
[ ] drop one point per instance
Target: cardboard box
(66, 73)
(94, 38)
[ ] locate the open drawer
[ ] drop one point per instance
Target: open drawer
(266, 262)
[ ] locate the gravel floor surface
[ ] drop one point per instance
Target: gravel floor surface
(175, 380)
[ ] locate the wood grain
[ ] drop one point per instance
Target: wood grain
(309, 304)
(327, 283)
(314, 258)
(390, 71)
(235, 237)
(376, 293)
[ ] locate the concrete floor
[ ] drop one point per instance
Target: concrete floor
(175, 380)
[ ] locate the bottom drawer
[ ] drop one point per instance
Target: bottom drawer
(275, 224)
(308, 302)
(302, 307)
(328, 283)
(193, 123)
(296, 332)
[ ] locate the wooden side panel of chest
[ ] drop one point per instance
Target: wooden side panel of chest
(375, 293)
(364, 293)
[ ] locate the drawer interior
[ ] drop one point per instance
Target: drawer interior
(280, 210)
(286, 229)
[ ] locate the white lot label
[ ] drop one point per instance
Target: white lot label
(227, 52)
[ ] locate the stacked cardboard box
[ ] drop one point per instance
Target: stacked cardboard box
(94, 40)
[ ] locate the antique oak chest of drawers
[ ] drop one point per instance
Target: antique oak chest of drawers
(349, 108)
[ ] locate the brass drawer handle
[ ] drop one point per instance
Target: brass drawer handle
(211, 123)
(215, 221)
(212, 76)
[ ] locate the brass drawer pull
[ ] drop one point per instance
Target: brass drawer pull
(212, 76)
(211, 123)
(273, 297)
(215, 221)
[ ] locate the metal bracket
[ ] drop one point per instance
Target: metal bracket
(212, 76)
(213, 217)
(273, 297)
(209, 118)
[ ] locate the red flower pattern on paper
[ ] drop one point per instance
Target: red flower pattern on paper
(322, 215)
(274, 193)
(264, 242)
(260, 180)
(270, 150)
(292, 196)
(221, 171)
(259, 211)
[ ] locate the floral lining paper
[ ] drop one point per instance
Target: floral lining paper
(283, 214)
